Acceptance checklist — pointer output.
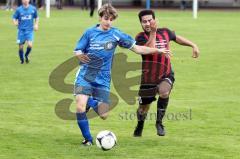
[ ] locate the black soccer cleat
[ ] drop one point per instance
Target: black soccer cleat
(87, 143)
(160, 129)
(22, 62)
(138, 131)
(26, 59)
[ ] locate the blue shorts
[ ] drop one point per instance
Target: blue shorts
(24, 35)
(97, 91)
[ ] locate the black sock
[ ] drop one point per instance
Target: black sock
(161, 108)
(20, 52)
(28, 51)
(141, 118)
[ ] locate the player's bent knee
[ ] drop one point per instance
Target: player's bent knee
(140, 109)
(104, 116)
(143, 108)
(164, 94)
(30, 45)
(21, 47)
(80, 108)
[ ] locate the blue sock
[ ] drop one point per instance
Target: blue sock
(93, 103)
(28, 51)
(84, 125)
(20, 52)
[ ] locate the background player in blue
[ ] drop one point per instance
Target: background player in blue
(95, 50)
(26, 19)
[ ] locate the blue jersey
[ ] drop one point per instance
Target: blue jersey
(25, 17)
(100, 45)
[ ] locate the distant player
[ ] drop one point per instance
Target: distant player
(95, 50)
(157, 73)
(26, 18)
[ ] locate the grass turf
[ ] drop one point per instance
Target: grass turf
(209, 86)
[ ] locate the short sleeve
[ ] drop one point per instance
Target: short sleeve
(16, 15)
(172, 35)
(82, 44)
(124, 40)
(35, 14)
(140, 39)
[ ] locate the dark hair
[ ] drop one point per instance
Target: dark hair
(146, 12)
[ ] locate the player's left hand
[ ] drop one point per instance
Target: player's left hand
(196, 52)
(153, 25)
(36, 27)
(16, 23)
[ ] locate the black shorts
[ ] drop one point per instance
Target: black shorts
(147, 92)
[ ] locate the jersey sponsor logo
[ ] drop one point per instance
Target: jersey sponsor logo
(26, 17)
(102, 45)
(161, 44)
(96, 46)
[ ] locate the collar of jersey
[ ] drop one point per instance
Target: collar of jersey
(27, 7)
(97, 29)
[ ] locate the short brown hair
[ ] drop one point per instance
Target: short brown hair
(109, 10)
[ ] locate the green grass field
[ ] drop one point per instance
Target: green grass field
(209, 86)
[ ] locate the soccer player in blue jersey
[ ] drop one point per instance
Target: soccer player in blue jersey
(95, 50)
(26, 19)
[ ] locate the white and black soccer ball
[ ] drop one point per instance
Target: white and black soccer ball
(106, 140)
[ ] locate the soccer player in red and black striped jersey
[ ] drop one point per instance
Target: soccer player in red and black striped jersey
(157, 73)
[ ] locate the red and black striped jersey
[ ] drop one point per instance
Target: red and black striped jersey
(156, 66)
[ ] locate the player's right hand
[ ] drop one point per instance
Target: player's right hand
(166, 52)
(195, 51)
(36, 27)
(83, 58)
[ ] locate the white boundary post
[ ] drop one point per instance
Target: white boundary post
(48, 8)
(195, 9)
(99, 4)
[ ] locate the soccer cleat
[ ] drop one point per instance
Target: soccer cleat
(138, 131)
(22, 61)
(160, 129)
(87, 143)
(26, 59)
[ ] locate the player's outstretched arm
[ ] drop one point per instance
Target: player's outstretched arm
(183, 41)
(36, 24)
(147, 50)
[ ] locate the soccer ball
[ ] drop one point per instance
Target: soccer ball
(106, 140)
